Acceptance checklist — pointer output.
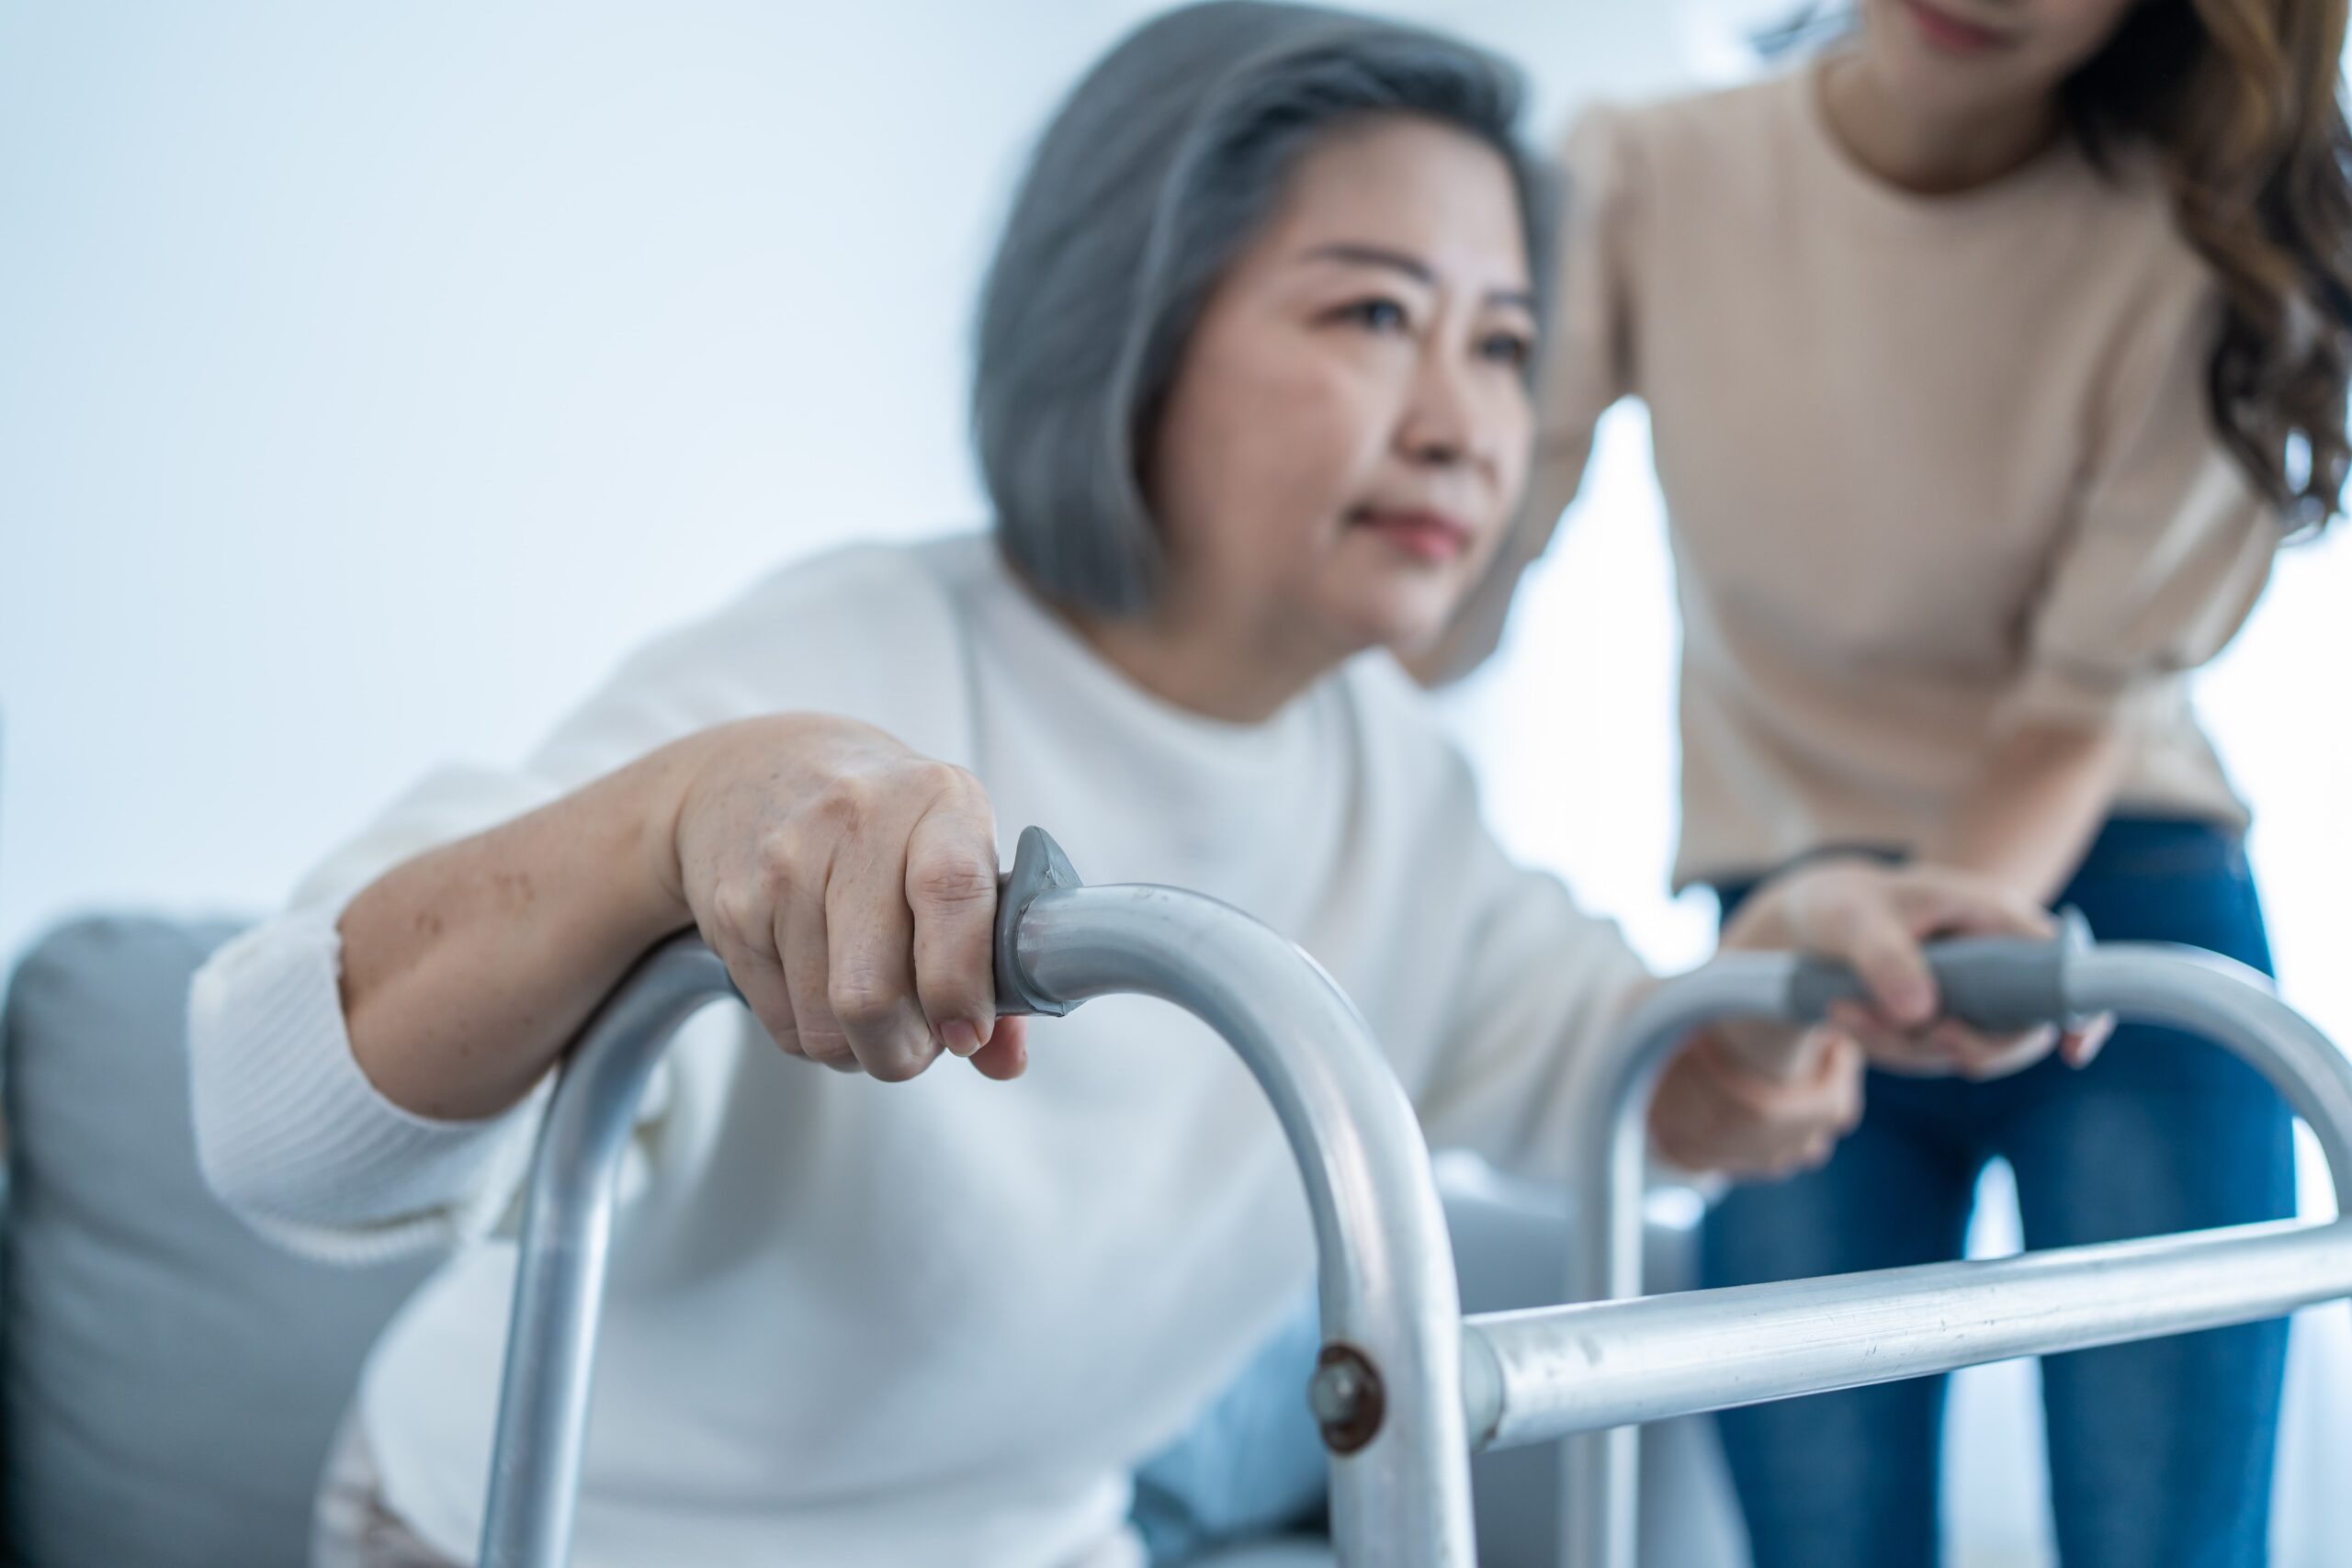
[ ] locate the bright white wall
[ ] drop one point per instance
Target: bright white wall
(371, 378)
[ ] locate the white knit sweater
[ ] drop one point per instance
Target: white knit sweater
(855, 1322)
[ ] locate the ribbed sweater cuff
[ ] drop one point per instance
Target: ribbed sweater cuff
(294, 1137)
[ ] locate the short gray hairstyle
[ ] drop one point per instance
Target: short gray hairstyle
(1155, 174)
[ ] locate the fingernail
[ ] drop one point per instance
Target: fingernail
(961, 1036)
(1913, 1000)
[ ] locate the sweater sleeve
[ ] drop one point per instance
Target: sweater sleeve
(1537, 983)
(2170, 547)
(290, 1132)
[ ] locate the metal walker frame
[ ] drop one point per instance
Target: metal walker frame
(1406, 1388)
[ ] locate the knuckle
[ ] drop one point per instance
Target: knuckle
(897, 1065)
(844, 805)
(826, 1046)
(940, 780)
(860, 999)
(739, 914)
(952, 877)
(776, 859)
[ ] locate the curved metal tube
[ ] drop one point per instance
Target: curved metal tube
(1402, 1499)
(1401, 1493)
(559, 1266)
(2234, 1006)
(2150, 983)
(1601, 1477)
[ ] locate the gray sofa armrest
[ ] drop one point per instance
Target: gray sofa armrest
(168, 1380)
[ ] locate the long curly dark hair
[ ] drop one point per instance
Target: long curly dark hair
(2242, 101)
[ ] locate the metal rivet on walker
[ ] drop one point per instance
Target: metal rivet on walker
(1347, 1398)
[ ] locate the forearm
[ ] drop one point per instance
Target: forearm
(467, 969)
(2027, 819)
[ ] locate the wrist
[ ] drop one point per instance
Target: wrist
(658, 789)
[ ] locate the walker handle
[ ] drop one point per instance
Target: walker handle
(1999, 985)
(1039, 866)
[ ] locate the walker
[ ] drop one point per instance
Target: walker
(1406, 1388)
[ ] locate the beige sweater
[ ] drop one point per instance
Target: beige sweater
(1935, 466)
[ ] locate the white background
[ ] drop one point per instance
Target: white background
(371, 378)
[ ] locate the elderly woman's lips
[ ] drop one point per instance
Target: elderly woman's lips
(1425, 536)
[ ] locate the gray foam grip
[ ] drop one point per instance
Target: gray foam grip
(1038, 867)
(1998, 985)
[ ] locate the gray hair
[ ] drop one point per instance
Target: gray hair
(1155, 173)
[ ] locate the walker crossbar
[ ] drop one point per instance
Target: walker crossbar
(1553, 1371)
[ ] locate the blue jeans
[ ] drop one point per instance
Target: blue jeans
(2160, 1452)
(1253, 1464)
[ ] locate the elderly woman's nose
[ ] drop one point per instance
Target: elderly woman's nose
(1442, 417)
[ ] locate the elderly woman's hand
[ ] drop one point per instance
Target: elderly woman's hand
(850, 886)
(1716, 1111)
(1874, 919)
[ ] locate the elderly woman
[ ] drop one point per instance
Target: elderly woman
(1251, 402)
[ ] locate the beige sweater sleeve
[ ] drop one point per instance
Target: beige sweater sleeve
(1588, 364)
(2170, 546)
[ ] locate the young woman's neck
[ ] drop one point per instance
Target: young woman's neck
(1220, 666)
(1925, 151)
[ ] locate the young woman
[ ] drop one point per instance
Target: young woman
(1988, 359)
(1251, 401)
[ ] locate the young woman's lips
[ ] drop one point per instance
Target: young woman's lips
(1424, 535)
(1951, 34)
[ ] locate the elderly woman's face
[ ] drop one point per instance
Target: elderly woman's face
(1348, 433)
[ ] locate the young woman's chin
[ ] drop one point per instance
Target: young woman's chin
(1914, 67)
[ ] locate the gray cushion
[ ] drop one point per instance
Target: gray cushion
(171, 1379)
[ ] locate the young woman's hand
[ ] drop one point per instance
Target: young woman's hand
(850, 886)
(1875, 919)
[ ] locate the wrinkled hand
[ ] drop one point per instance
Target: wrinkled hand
(1714, 1111)
(850, 886)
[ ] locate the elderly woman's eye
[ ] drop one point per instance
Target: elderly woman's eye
(1380, 315)
(1515, 349)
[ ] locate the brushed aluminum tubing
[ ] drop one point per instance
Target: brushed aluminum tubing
(1401, 1500)
(560, 1263)
(1554, 1372)
(1387, 1280)
(2234, 1006)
